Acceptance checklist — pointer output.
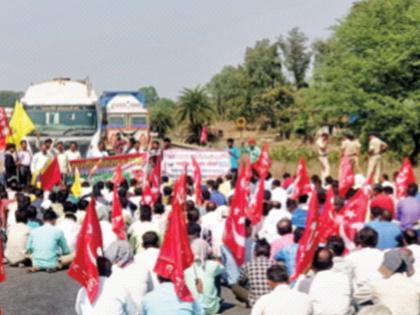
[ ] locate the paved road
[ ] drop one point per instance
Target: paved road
(54, 294)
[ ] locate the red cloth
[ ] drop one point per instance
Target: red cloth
(310, 239)
(203, 135)
(302, 183)
(84, 266)
(4, 128)
(328, 225)
(151, 188)
(51, 175)
(2, 271)
(405, 177)
(353, 216)
(234, 236)
(286, 183)
(118, 177)
(117, 219)
(175, 254)
(255, 207)
(262, 165)
(197, 182)
(346, 176)
(383, 201)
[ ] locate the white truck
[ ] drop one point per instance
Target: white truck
(63, 110)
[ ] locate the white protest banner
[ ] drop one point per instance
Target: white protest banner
(213, 163)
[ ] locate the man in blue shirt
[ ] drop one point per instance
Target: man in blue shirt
(388, 232)
(163, 300)
(46, 244)
(234, 155)
(289, 252)
(299, 214)
(215, 195)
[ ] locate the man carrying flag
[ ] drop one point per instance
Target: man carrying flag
(175, 256)
(117, 219)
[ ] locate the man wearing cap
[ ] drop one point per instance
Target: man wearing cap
(397, 290)
(322, 145)
(376, 148)
(252, 150)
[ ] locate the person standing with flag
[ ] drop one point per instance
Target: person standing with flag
(40, 160)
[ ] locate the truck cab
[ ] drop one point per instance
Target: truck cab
(63, 110)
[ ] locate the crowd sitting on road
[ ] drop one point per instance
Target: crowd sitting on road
(380, 275)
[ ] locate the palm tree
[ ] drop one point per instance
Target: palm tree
(161, 120)
(196, 110)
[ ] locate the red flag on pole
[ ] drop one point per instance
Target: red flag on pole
(310, 239)
(51, 176)
(302, 183)
(117, 219)
(197, 182)
(234, 235)
(2, 271)
(262, 165)
(4, 129)
(328, 225)
(84, 267)
(404, 178)
(352, 216)
(175, 255)
(118, 177)
(203, 135)
(151, 187)
(346, 176)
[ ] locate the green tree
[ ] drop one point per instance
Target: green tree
(9, 98)
(161, 119)
(263, 66)
(150, 94)
(296, 55)
(195, 109)
(370, 73)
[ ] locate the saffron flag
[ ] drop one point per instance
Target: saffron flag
(203, 135)
(76, 188)
(352, 216)
(20, 124)
(2, 271)
(51, 176)
(175, 254)
(84, 266)
(346, 176)
(234, 236)
(4, 129)
(302, 183)
(197, 182)
(404, 178)
(310, 239)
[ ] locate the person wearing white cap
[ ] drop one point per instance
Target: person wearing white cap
(397, 290)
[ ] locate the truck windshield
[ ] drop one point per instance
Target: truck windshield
(60, 119)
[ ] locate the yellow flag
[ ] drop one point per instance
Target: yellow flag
(76, 188)
(20, 124)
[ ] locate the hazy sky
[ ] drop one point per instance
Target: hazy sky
(125, 44)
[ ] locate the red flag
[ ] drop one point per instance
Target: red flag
(346, 176)
(262, 165)
(117, 220)
(203, 135)
(328, 225)
(234, 236)
(51, 176)
(197, 182)
(84, 268)
(404, 178)
(4, 128)
(255, 207)
(302, 183)
(175, 254)
(118, 177)
(353, 215)
(2, 271)
(151, 187)
(310, 239)
(147, 196)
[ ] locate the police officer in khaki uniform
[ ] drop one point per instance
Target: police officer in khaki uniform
(351, 147)
(322, 145)
(376, 148)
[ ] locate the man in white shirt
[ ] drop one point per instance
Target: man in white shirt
(70, 230)
(73, 153)
(139, 228)
(278, 194)
(149, 255)
(329, 291)
(40, 160)
(63, 161)
(111, 299)
(269, 225)
(411, 242)
(18, 234)
(282, 300)
(364, 264)
(24, 160)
